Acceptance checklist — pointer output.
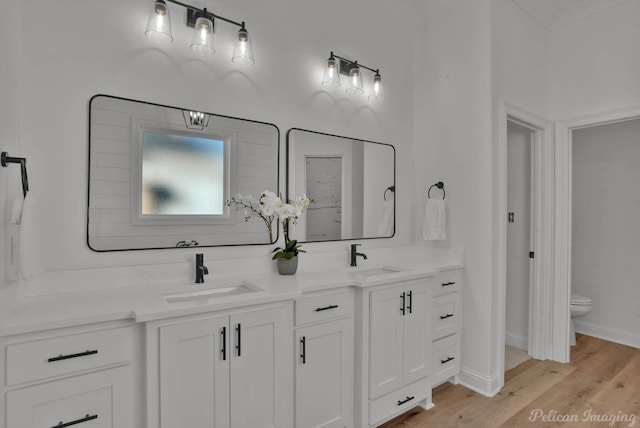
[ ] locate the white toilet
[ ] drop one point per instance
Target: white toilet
(580, 306)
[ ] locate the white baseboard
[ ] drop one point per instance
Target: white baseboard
(516, 340)
(608, 333)
(485, 385)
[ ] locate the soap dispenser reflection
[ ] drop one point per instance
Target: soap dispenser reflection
(201, 269)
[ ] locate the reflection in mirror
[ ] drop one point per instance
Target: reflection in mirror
(159, 176)
(351, 181)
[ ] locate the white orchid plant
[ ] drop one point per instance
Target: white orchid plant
(270, 207)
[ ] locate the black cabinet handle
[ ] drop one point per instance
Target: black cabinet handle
(326, 308)
(406, 400)
(446, 284)
(66, 357)
(303, 350)
(224, 344)
(403, 297)
(444, 317)
(410, 306)
(79, 421)
(239, 339)
(447, 360)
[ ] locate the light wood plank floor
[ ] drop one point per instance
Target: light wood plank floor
(602, 381)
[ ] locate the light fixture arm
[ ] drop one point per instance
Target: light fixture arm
(351, 62)
(204, 12)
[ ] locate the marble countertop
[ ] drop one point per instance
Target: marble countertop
(147, 302)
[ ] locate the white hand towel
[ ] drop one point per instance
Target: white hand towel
(435, 220)
(29, 243)
(385, 227)
(16, 209)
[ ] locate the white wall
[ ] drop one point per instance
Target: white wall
(594, 63)
(518, 235)
(84, 48)
(453, 143)
(10, 184)
(606, 228)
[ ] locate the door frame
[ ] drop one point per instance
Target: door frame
(540, 319)
(564, 168)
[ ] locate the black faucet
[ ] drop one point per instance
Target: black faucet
(201, 270)
(355, 254)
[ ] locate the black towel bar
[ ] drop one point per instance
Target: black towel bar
(5, 159)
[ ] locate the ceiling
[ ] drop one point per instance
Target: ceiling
(553, 14)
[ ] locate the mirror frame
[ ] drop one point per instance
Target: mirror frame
(288, 179)
(88, 217)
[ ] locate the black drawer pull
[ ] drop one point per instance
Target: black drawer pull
(303, 350)
(79, 421)
(224, 344)
(326, 308)
(239, 340)
(403, 296)
(447, 360)
(410, 306)
(66, 357)
(406, 400)
(446, 284)
(444, 317)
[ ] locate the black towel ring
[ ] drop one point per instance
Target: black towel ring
(392, 188)
(439, 185)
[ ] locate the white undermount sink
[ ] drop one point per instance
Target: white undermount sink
(211, 292)
(375, 272)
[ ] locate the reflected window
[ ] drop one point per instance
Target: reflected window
(182, 175)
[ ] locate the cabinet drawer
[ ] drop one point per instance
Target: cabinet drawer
(446, 358)
(445, 315)
(101, 400)
(45, 358)
(447, 282)
(399, 401)
(324, 306)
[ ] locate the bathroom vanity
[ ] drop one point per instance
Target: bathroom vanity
(345, 347)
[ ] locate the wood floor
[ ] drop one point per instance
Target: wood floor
(599, 388)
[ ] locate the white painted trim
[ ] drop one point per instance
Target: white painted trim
(516, 340)
(488, 386)
(540, 320)
(623, 337)
(562, 271)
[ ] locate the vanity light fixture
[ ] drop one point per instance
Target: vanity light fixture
(353, 71)
(202, 22)
(196, 119)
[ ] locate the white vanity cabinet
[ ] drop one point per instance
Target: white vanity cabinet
(222, 369)
(396, 347)
(69, 377)
(324, 360)
(446, 321)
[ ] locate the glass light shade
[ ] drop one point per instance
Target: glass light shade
(159, 24)
(202, 40)
(377, 92)
(242, 51)
(354, 84)
(331, 73)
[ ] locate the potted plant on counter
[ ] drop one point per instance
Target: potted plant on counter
(270, 207)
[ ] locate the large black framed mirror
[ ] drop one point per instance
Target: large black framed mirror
(351, 181)
(160, 176)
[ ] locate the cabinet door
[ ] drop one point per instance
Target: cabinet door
(417, 335)
(194, 374)
(260, 369)
(386, 341)
(98, 400)
(324, 375)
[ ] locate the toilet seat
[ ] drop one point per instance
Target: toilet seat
(580, 300)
